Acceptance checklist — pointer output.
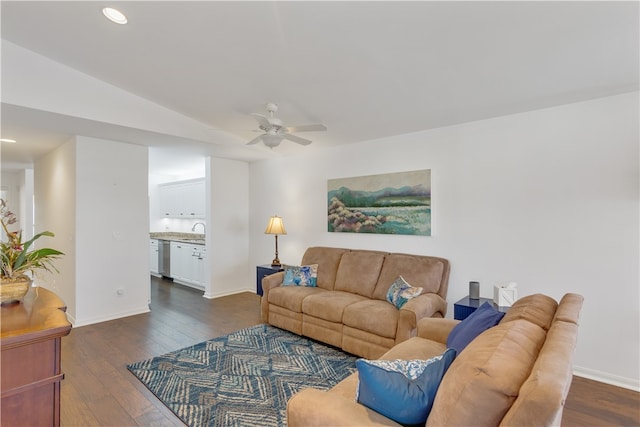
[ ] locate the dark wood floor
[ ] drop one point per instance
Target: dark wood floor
(99, 391)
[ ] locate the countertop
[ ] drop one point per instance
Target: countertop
(179, 237)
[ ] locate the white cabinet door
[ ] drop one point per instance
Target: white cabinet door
(177, 260)
(154, 264)
(198, 256)
(194, 199)
(194, 265)
(182, 199)
(187, 263)
(170, 200)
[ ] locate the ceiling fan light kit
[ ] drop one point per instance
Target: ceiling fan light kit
(275, 131)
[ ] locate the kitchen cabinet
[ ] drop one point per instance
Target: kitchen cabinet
(178, 256)
(198, 258)
(183, 199)
(187, 264)
(154, 264)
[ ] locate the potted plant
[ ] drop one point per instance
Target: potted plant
(18, 259)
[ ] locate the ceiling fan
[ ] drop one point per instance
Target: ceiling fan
(275, 131)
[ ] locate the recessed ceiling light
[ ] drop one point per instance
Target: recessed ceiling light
(114, 15)
(10, 141)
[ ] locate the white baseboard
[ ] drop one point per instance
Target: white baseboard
(604, 377)
(224, 294)
(114, 316)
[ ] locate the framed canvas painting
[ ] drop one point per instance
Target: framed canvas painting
(393, 203)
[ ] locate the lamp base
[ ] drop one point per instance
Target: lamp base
(276, 263)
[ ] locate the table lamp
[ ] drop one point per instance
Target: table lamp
(275, 227)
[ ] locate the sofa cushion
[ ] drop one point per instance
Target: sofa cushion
(358, 272)
(402, 390)
(539, 309)
(400, 292)
(329, 305)
(421, 271)
(364, 344)
(484, 380)
(291, 297)
(304, 275)
(328, 260)
(377, 317)
(415, 348)
(485, 317)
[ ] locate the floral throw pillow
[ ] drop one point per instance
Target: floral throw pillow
(304, 275)
(400, 292)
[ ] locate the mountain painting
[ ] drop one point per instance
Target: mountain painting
(394, 203)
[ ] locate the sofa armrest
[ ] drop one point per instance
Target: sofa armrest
(312, 407)
(435, 329)
(268, 282)
(426, 305)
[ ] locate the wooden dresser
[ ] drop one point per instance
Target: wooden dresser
(31, 334)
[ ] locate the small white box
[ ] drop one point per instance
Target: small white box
(505, 295)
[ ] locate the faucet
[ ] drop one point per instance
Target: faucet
(204, 229)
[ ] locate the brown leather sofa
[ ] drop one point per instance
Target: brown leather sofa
(348, 308)
(517, 373)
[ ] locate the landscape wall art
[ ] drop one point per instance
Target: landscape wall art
(393, 203)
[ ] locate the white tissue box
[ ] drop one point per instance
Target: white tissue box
(505, 295)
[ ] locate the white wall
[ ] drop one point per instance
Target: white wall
(548, 199)
(227, 220)
(11, 190)
(55, 201)
(17, 188)
(92, 194)
(26, 203)
(112, 227)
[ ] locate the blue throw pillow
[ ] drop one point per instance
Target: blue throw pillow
(485, 317)
(305, 275)
(402, 390)
(400, 292)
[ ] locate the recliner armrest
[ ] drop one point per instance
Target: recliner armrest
(269, 282)
(312, 407)
(435, 329)
(425, 305)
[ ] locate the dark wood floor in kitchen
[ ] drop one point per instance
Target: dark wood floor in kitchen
(99, 391)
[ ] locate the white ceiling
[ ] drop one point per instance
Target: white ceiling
(366, 70)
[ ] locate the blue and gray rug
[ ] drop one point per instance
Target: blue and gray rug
(242, 379)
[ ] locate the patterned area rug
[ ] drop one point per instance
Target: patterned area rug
(242, 379)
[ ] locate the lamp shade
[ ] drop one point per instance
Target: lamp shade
(275, 226)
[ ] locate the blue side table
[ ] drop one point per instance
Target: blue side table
(264, 270)
(463, 308)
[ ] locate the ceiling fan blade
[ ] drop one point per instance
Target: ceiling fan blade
(262, 121)
(307, 128)
(297, 139)
(255, 140)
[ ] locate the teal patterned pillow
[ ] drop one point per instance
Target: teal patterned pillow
(304, 275)
(400, 292)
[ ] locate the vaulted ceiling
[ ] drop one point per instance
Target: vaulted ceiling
(366, 70)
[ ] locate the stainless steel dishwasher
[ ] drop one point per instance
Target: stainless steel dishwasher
(164, 257)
